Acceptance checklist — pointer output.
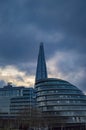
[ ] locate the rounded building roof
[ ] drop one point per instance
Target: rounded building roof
(58, 84)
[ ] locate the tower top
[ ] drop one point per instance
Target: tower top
(41, 71)
(41, 43)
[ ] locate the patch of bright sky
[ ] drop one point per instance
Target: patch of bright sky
(17, 77)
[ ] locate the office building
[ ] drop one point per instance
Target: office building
(59, 98)
(22, 103)
(13, 100)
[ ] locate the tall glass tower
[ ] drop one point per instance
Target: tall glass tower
(41, 72)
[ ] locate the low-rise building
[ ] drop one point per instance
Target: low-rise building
(15, 99)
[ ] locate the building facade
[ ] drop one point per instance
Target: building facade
(57, 98)
(6, 93)
(15, 99)
(22, 103)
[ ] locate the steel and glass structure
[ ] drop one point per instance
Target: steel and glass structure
(24, 102)
(41, 71)
(14, 100)
(57, 97)
(6, 93)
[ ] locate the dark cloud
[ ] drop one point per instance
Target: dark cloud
(61, 24)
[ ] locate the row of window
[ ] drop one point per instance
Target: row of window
(15, 102)
(22, 98)
(63, 102)
(10, 93)
(56, 87)
(28, 92)
(79, 119)
(67, 113)
(52, 83)
(15, 92)
(18, 109)
(59, 91)
(75, 97)
(55, 108)
(19, 106)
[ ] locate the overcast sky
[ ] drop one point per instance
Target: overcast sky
(59, 24)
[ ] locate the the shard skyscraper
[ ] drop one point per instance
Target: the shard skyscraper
(41, 71)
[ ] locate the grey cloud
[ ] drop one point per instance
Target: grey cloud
(73, 67)
(23, 21)
(67, 17)
(15, 48)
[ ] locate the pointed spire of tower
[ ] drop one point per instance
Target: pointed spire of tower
(41, 71)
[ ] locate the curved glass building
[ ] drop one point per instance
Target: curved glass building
(57, 97)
